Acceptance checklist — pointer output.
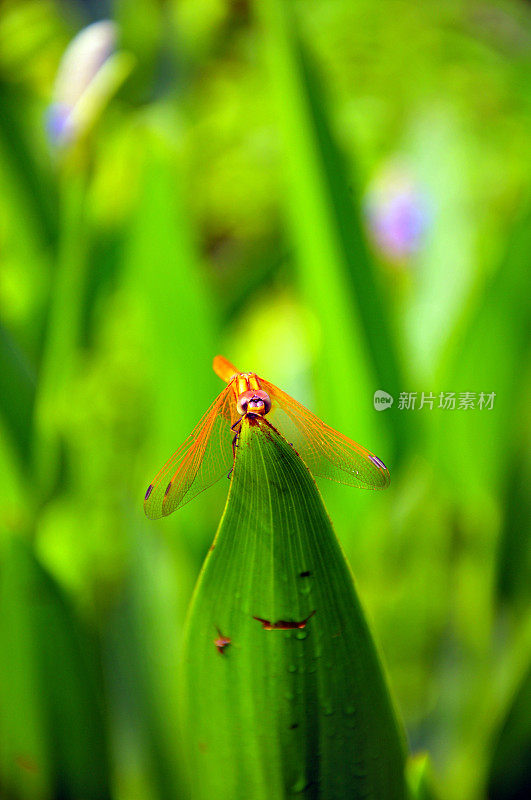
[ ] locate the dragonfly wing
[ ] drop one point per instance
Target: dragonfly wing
(199, 462)
(327, 453)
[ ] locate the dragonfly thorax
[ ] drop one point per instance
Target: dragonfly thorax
(254, 401)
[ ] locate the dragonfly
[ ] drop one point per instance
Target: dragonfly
(208, 452)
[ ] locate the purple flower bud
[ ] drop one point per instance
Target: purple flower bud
(77, 90)
(397, 213)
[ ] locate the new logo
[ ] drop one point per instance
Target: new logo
(382, 400)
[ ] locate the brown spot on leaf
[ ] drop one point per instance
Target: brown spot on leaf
(27, 763)
(283, 624)
(221, 642)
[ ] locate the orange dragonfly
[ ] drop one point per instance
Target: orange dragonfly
(208, 452)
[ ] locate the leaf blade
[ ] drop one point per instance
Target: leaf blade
(281, 712)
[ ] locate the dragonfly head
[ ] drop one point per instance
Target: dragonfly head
(254, 401)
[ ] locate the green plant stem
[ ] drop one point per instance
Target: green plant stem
(62, 329)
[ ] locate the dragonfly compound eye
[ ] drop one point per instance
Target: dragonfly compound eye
(254, 401)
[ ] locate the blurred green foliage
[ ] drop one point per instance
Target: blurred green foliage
(217, 205)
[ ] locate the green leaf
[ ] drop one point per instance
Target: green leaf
(17, 392)
(420, 778)
(180, 329)
(336, 272)
(513, 559)
(143, 649)
(489, 355)
(61, 341)
(24, 768)
(279, 713)
(32, 188)
(509, 771)
(52, 735)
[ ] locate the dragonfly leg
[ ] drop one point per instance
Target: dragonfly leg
(238, 421)
(234, 446)
(234, 443)
(236, 435)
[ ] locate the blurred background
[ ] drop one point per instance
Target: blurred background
(335, 195)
